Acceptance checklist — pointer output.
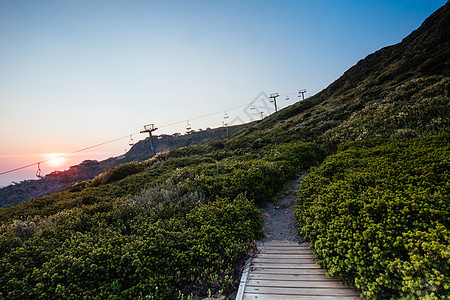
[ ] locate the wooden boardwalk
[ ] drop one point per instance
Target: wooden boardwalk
(286, 270)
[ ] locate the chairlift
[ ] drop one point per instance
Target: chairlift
(301, 93)
(224, 124)
(226, 115)
(287, 97)
(188, 126)
(252, 107)
(131, 142)
(38, 172)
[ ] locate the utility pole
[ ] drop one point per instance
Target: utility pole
(303, 93)
(274, 97)
(150, 128)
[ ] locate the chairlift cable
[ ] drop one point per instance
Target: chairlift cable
(128, 136)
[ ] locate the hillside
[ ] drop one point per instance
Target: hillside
(180, 224)
(399, 92)
(56, 181)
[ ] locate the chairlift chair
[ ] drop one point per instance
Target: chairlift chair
(38, 172)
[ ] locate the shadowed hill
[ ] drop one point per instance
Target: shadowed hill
(58, 180)
(141, 150)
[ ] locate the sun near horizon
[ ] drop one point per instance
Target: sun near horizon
(55, 159)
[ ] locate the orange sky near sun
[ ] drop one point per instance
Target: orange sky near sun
(24, 158)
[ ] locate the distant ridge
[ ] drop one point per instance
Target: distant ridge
(56, 181)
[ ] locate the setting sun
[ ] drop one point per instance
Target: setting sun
(55, 159)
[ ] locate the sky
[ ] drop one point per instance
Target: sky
(74, 74)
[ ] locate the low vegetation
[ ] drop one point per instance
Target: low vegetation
(185, 233)
(378, 213)
(180, 224)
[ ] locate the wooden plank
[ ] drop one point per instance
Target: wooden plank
(308, 277)
(284, 260)
(285, 248)
(284, 251)
(281, 245)
(295, 284)
(285, 266)
(249, 296)
(300, 291)
(285, 255)
(260, 270)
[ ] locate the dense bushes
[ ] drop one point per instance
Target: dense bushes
(140, 255)
(377, 214)
(117, 173)
(178, 224)
(260, 176)
(417, 108)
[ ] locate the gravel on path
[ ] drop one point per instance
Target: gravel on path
(279, 220)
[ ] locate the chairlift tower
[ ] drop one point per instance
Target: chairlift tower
(274, 97)
(225, 124)
(302, 92)
(149, 129)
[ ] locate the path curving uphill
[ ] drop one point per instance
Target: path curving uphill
(284, 266)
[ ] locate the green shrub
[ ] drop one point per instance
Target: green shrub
(117, 173)
(179, 223)
(196, 248)
(24, 230)
(377, 214)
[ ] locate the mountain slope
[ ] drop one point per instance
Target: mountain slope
(399, 92)
(180, 224)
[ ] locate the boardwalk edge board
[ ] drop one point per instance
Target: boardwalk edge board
(243, 282)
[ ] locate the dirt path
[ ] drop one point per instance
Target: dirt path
(279, 220)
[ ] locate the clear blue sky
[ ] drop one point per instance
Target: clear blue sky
(77, 73)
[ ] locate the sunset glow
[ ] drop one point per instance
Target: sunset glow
(54, 159)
